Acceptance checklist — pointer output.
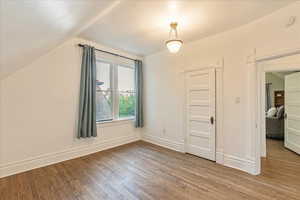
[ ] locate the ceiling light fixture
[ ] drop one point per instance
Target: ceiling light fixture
(173, 44)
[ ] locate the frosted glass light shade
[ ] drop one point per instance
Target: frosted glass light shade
(174, 45)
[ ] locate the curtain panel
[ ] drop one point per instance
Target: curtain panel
(139, 121)
(87, 100)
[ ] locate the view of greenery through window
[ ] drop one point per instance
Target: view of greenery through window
(113, 80)
(126, 92)
(126, 104)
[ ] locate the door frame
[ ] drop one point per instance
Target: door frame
(219, 136)
(259, 115)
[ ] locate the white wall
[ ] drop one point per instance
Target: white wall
(277, 83)
(164, 83)
(39, 109)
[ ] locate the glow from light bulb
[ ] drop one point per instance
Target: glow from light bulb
(172, 5)
(174, 45)
(173, 12)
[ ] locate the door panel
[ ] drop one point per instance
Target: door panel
(292, 109)
(200, 108)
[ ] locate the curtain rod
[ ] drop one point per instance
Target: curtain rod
(81, 45)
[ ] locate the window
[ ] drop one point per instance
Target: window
(104, 111)
(126, 92)
(115, 96)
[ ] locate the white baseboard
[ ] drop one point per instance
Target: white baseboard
(245, 165)
(176, 146)
(220, 157)
(75, 152)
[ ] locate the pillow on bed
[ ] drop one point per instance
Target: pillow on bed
(271, 112)
(280, 112)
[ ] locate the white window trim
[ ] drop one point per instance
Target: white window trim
(115, 91)
(117, 120)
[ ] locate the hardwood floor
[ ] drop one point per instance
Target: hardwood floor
(277, 151)
(144, 171)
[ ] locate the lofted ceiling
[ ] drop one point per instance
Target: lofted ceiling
(142, 27)
(30, 28)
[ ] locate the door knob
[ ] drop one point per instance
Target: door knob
(212, 120)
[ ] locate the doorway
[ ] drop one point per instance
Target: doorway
(282, 111)
(279, 110)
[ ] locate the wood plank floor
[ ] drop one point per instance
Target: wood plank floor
(144, 171)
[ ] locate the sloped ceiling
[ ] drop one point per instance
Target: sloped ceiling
(30, 28)
(142, 27)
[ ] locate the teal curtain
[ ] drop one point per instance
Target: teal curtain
(87, 100)
(139, 122)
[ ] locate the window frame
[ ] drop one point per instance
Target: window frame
(114, 90)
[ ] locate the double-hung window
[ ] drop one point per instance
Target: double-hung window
(115, 95)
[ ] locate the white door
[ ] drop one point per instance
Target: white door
(292, 109)
(200, 113)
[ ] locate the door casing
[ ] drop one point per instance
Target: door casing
(270, 63)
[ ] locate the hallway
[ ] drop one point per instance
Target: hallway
(281, 165)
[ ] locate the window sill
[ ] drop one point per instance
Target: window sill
(116, 122)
